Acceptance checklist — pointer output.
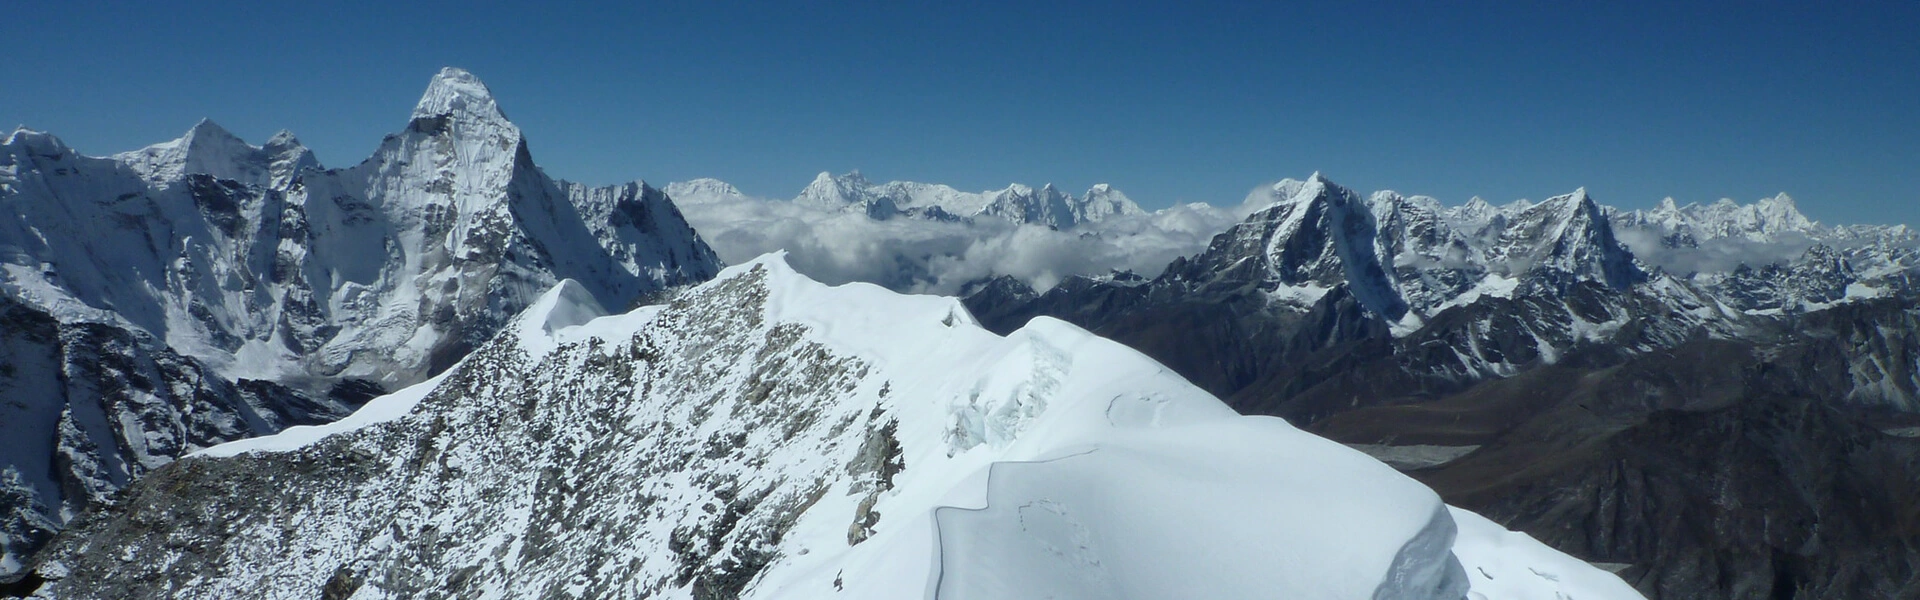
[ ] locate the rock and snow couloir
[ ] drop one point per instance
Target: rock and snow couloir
(766, 436)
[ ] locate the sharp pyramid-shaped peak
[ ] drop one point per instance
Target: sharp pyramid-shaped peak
(1780, 212)
(1319, 188)
(1567, 234)
(831, 192)
(209, 132)
(454, 91)
(206, 148)
(1285, 191)
(705, 190)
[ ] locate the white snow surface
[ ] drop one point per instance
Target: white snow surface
(1508, 564)
(1049, 463)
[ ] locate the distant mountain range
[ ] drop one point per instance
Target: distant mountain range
(1047, 206)
(1528, 363)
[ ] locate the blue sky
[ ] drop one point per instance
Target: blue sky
(1635, 101)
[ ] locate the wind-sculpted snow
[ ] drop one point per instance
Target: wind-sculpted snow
(766, 436)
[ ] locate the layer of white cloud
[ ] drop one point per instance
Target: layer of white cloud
(918, 255)
(1717, 255)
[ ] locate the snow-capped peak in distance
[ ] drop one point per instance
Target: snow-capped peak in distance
(703, 191)
(1569, 234)
(1017, 202)
(1763, 220)
(455, 91)
(210, 149)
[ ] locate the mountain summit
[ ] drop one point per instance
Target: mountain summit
(455, 92)
(1047, 206)
(204, 289)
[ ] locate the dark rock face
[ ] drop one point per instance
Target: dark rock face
(1820, 276)
(89, 407)
(1715, 470)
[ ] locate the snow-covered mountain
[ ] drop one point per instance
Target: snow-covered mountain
(1017, 203)
(704, 191)
(263, 285)
(766, 436)
(1714, 241)
(1764, 220)
(1527, 361)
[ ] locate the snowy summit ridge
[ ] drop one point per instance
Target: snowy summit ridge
(766, 436)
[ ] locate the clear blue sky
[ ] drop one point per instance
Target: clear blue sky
(1635, 100)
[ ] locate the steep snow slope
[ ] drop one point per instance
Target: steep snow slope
(765, 436)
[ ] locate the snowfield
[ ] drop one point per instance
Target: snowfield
(767, 436)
